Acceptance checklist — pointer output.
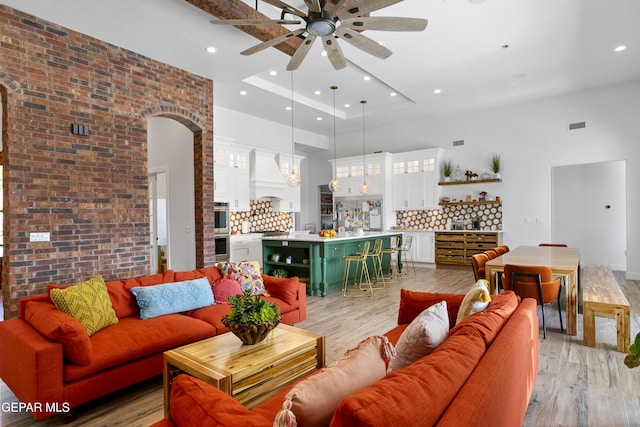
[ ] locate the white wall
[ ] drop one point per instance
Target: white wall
(170, 150)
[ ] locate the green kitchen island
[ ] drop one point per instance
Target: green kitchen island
(319, 259)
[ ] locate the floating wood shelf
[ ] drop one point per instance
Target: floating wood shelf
(471, 181)
(462, 202)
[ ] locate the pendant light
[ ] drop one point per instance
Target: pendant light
(334, 184)
(364, 188)
(294, 179)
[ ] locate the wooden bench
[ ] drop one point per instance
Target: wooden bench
(603, 297)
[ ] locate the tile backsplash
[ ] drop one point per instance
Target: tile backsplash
(262, 218)
(490, 216)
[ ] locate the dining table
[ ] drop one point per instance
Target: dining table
(563, 262)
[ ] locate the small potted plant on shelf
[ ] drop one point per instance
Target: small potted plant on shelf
(447, 169)
(495, 165)
(251, 318)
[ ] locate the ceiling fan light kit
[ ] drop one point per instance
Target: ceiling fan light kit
(332, 20)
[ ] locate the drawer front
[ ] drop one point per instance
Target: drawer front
(450, 259)
(486, 238)
(450, 252)
(449, 237)
(480, 247)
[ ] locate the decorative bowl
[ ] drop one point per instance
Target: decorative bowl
(251, 334)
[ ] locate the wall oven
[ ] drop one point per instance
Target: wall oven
(221, 218)
(222, 247)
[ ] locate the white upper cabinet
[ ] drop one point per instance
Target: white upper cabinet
(291, 200)
(238, 178)
(415, 179)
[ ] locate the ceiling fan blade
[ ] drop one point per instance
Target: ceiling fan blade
(385, 23)
(313, 5)
(364, 43)
(334, 53)
(301, 53)
(332, 6)
(282, 5)
(355, 8)
(253, 22)
(272, 42)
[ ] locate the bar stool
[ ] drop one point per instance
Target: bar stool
(376, 261)
(364, 281)
(405, 249)
(392, 251)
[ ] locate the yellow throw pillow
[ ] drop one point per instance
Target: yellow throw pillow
(476, 300)
(88, 302)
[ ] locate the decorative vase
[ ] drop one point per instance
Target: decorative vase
(497, 175)
(631, 362)
(447, 179)
(251, 334)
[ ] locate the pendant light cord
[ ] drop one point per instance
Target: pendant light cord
(364, 155)
(334, 88)
(292, 138)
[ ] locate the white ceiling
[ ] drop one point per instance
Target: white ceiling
(554, 47)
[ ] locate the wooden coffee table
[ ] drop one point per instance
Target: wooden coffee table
(249, 373)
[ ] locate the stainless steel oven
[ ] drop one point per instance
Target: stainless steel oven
(222, 247)
(221, 218)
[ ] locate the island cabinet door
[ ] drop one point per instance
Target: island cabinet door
(335, 265)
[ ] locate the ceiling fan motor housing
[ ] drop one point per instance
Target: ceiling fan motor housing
(321, 24)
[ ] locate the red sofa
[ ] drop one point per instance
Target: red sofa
(482, 374)
(38, 371)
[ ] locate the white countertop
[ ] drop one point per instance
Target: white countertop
(340, 236)
(425, 230)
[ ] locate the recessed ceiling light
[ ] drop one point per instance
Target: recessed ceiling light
(620, 48)
(243, 92)
(288, 108)
(273, 73)
(366, 78)
(393, 94)
(381, 43)
(318, 118)
(347, 105)
(436, 91)
(211, 49)
(317, 92)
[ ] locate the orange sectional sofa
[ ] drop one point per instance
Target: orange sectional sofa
(37, 368)
(482, 374)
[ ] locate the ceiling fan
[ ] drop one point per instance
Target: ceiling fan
(331, 20)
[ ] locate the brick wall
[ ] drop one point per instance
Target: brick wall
(91, 191)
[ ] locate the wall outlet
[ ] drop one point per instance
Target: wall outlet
(40, 237)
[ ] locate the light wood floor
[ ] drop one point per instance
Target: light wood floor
(575, 386)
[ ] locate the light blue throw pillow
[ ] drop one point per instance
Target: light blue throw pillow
(175, 297)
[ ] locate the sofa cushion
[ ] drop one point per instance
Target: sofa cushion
(224, 288)
(418, 394)
(312, 401)
(88, 302)
(490, 321)
(173, 297)
(62, 328)
(245, 273)
(281, 287)
(476, 299)
(412, 303)
(212, 315)
(133, 338)
(182, 276)
(122, 301)
(212, 273)
(196, 403)
(425, 333)
(156, 279)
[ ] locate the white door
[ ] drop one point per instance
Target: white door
(588, 207)
(158, 211)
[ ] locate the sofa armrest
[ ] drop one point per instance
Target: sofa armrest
(33, 367)
(196, 403)
(302, 299)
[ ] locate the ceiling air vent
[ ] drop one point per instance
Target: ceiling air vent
(458, 142)
(577, 125)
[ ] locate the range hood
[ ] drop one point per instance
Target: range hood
(266, 181)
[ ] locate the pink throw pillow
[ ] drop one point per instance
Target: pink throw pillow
(224, 288)
(422, 336)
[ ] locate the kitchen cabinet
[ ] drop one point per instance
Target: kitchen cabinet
(350, 171)
(220, 171)
(455, 248)
(238, 178)
(414, 179)
(242, 249)
(291, 200)
(422, 246)
(326, 207)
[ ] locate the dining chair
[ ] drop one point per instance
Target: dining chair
(501, 250)
(364, 281)
(477, 262)
(535, 282)
(491, 253)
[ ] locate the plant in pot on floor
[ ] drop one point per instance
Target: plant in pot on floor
(251, 318)
(633, 358)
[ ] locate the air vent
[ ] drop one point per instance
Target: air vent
(577, 125)
(458, 142)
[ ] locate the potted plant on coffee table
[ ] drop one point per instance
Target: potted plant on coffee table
(633, 358)
(251, 318)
